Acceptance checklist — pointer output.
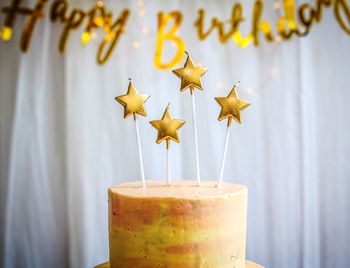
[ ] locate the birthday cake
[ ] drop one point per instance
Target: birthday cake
(185, 223)
(182, 225)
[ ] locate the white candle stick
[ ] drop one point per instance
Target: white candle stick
(190, 76)
(231, 107)
(142, 172)
(168, 162)
(224, 153)
(133, 103)
(194, 119)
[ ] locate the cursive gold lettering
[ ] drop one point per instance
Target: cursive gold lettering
(111, 39)
(341, 7)
(163, 20)
(28, 29)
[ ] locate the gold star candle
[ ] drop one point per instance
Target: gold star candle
(133, 103)
(167, 128)
(231, 107)
(190, 76)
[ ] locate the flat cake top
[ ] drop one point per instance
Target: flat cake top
(178, 189)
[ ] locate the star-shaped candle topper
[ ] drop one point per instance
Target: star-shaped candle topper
(133, 101)
(190, 75)
(231, 106)
(167, 128)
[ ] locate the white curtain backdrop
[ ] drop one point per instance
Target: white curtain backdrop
(64, 142)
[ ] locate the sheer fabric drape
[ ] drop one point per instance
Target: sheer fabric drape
(63, 140)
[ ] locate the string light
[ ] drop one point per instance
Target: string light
(99, 21)
(140, 3)
(136, 44)
(274, 71)
(85, 37)
(100, 4)
(6, 33)
(276, 5)
(144, 30)
(94, 35)
(278, 38)
(249, 91)
(142, 12)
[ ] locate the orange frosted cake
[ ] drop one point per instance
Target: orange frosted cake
(182, 225)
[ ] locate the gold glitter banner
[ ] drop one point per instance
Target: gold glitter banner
(294, 20)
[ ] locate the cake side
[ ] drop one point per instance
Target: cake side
(182, 225)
